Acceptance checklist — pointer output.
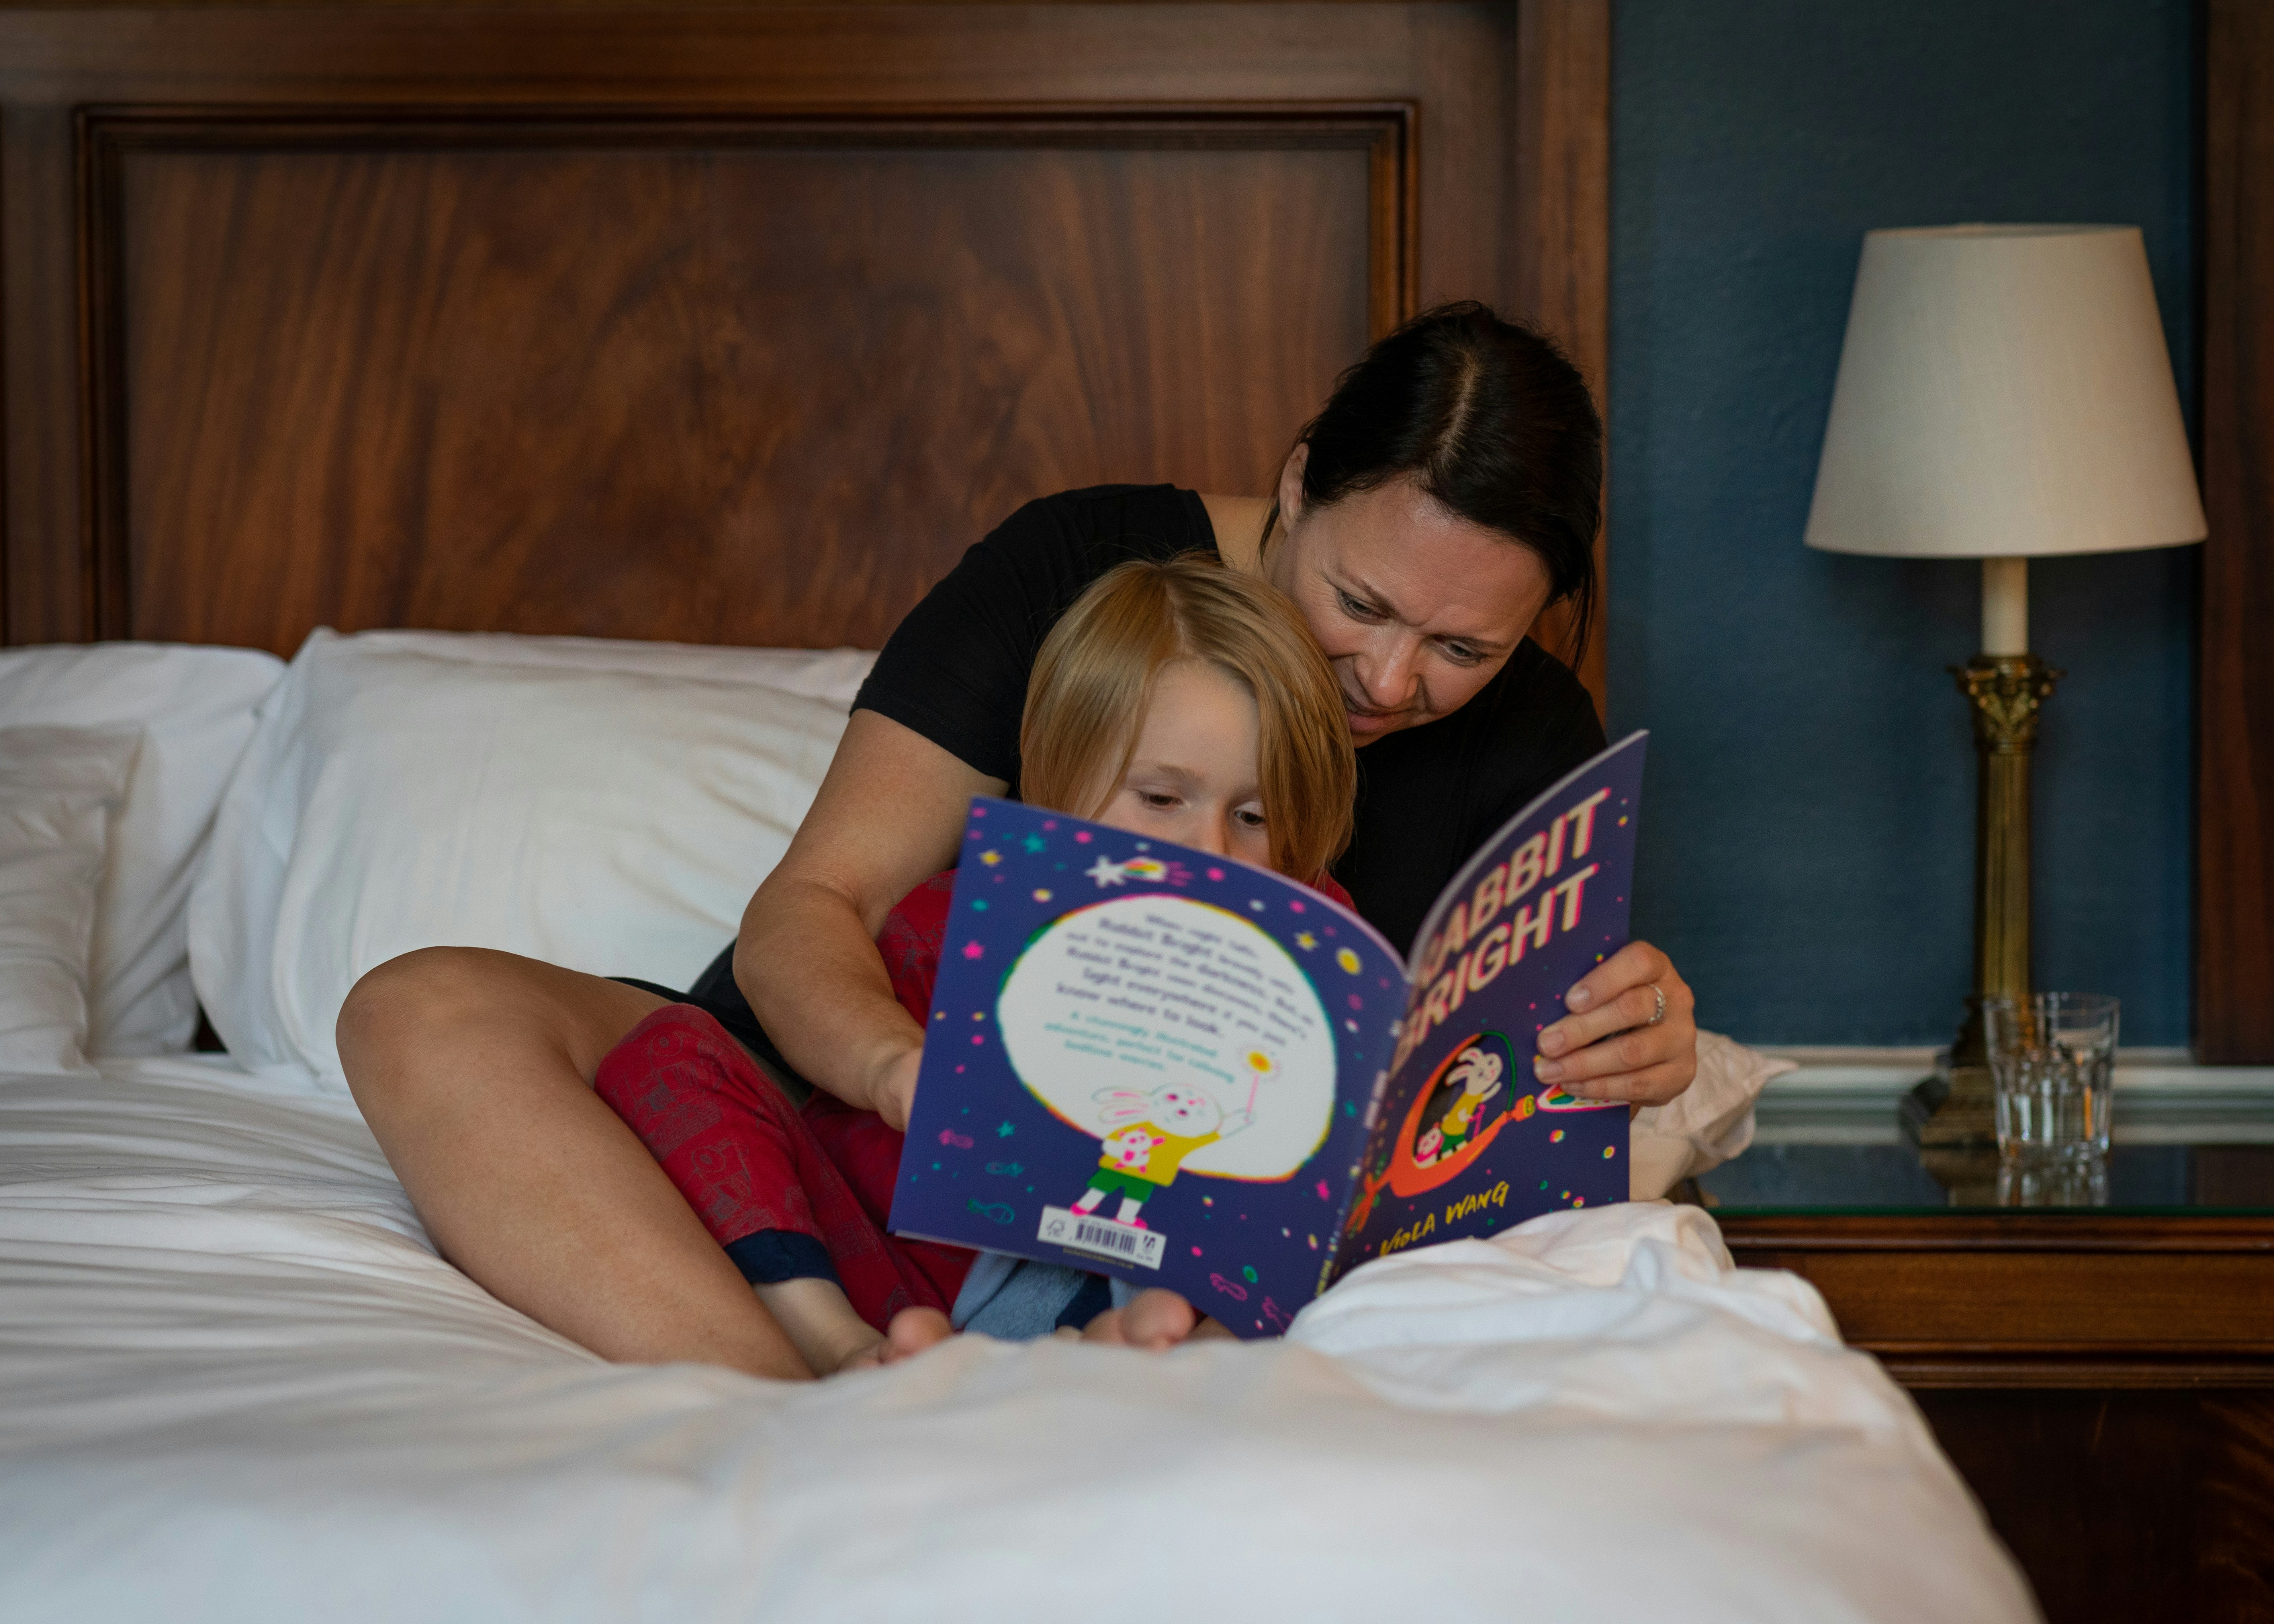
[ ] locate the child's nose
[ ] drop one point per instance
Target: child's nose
(1214, 837)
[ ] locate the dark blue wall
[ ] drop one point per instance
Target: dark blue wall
(1809, 850)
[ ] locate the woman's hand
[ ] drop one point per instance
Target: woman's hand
(1605, 1049)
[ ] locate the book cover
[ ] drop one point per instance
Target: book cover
(1186, 1072)
(1466, 1140)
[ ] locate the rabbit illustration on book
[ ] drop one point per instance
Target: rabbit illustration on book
(1478, 1070)
(1146, 1137)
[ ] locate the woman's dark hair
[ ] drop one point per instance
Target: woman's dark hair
(1491, 419)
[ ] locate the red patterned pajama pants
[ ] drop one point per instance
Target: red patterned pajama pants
(788, 1194)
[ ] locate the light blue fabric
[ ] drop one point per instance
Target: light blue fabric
(1011, 1298)
(1015, 1300)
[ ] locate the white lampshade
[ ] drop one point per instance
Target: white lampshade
(2004, 392)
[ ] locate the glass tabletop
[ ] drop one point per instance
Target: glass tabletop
(1795, 1177)
(2201, 1145)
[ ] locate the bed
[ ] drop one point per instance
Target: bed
(652, 361)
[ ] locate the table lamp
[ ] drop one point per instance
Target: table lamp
(2004, 393)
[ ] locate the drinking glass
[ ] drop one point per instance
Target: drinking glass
(2083, 1183)
(2052, 1063)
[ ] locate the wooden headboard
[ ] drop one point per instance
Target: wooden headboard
(732, 324)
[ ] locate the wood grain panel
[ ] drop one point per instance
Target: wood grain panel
(1561, 161)
(2125, 1506)
(71, 466)
(2106, 1300)
(1900, 1303)
(2237, 1506)
(785, 376)
(2234, 916)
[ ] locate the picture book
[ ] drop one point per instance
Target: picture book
(1186, 1072)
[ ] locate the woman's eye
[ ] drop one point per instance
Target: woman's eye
(1357, 609)
(1461, 654)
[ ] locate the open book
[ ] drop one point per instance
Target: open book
(1189, 1073)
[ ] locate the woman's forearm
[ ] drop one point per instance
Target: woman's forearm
(807, 963)
(890, 812)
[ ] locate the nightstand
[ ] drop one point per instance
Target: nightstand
(2102, 1375)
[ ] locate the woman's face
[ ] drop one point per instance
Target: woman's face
(1416, 607)
(1193, 779)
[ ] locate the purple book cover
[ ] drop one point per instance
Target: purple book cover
(1186, 1072)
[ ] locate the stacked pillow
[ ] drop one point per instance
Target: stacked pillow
(113, 758)
(58, 789)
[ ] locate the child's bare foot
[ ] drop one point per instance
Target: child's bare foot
(833, 1339)
(912, 1331)
(1154, 1320)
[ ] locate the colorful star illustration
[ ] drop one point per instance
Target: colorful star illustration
(991, 858)
(1004, 1131)
(1106, 872)
(1034, 843)
(1305, 940)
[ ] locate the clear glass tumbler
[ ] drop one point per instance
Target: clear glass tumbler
(2052, 1063)
(2080, 1182)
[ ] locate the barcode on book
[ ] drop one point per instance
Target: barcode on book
(1101, 1236)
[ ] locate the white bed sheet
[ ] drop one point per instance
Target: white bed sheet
(236, 1384)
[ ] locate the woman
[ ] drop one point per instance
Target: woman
(1447, 495)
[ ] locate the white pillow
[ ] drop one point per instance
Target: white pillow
(605, 807)
(835, 675)
(57, 788)
(194, 707)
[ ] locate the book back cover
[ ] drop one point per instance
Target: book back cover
(1145, 1062)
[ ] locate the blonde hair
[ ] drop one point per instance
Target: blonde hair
(1095, 674)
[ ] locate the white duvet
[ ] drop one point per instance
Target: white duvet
(236, 1384)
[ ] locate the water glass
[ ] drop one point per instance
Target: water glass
(2052, 1065)
(2083, 1183)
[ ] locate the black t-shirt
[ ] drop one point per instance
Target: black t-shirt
(956, 671)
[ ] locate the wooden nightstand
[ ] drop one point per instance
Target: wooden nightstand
(2102, 1376)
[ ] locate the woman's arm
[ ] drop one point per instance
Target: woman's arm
(890, 812)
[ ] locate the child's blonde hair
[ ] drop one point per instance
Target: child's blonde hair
(1098, 667)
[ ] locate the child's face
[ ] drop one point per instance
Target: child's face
(1193, 779)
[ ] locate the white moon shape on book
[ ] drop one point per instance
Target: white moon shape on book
(1161, 995)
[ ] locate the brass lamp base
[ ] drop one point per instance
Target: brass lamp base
(1953, 1108)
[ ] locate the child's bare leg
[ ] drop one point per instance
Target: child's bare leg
(820, 1322)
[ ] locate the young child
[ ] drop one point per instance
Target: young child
(1181, 700)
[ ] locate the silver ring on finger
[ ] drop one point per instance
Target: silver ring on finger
(1658, 1014)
